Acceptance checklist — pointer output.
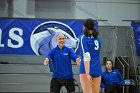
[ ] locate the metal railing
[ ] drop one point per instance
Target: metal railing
(122, 66)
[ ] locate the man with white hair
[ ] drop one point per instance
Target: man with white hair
(61, 57)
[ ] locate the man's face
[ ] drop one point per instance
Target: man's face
(108, 65)
(60, 40)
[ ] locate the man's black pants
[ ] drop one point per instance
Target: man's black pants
(56, 85)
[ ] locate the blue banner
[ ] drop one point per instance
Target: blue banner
(136, 29)
(36, 36)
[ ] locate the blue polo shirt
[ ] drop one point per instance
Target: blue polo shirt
(61, 59)
(109, 78)
(91, 45)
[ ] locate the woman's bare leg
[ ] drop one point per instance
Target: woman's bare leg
(96, 84)
(86, 85)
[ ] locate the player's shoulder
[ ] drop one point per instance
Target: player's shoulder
(83, 37)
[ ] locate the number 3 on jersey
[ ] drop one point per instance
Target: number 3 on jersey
(96, 45)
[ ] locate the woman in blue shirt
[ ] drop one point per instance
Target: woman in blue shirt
(61, 57)
(89, 50)
(111, 79)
